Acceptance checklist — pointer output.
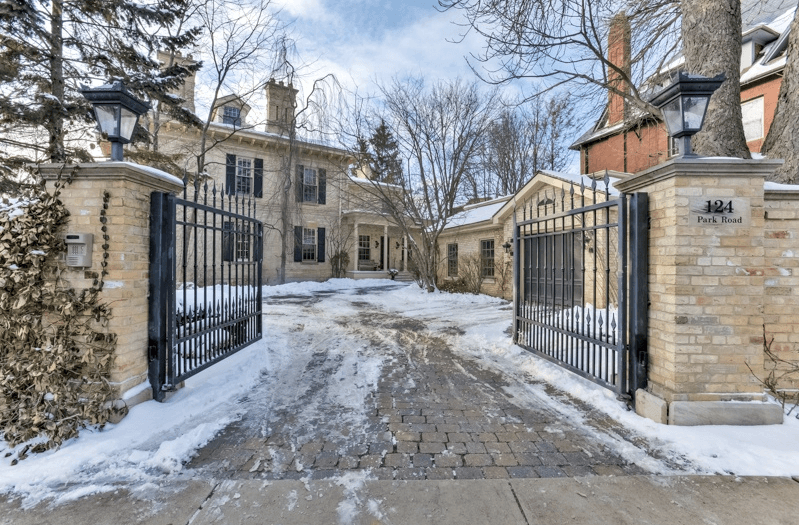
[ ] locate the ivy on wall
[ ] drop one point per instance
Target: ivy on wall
(56, 352)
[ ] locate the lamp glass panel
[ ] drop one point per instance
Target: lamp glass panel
(672, 116)
(107, 118)
(127, 123)
(694, 112)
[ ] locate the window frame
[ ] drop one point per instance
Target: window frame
(760, 103)
(487, 255)
(364, 248)
(231, 115)
(452, 259)
(310, 192)
(236, 241)
(244, 175)
(309, 250)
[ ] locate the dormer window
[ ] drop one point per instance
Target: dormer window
(231, 115)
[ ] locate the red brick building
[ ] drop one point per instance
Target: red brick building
(622, 142)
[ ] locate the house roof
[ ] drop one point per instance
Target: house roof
(565, 181)
(476, 213)
(758, 16)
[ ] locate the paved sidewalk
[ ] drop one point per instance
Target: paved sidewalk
(632, 500)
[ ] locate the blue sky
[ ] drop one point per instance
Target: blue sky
(369, 41)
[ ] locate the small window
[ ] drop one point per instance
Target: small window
(674, 147)
(236, 241)
(310, 188)
(231, 115)
(244, 176)
(452, 260)
(364, 253)
(487, 257)
(752, 113)
(243, 242)
(308, 244)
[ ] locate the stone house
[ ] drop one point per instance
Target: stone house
(330, 207)
(622, 141)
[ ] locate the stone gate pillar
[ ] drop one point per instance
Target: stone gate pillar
(706, 291)
(127, 219)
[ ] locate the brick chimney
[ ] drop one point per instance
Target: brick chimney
(619, 55)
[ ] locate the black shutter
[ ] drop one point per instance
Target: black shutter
(322, 186)
(258, 187)
(227, 241)
(298, 244)
(300, 170)
(320, 244)
(230, 174)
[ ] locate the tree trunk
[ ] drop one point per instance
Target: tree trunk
(782, 141)
(55, 119)
(711, 33)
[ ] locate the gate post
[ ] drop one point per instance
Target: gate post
(708, 288)
(639, 288)
(161, 289)
(111, 200)
(516, 269)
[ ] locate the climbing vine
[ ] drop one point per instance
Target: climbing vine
(56, 352)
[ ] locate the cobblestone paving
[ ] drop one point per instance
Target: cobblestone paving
(434, 415)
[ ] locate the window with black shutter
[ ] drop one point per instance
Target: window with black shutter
(311, 185)
(244, 176)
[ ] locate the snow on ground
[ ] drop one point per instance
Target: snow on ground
(155, 440)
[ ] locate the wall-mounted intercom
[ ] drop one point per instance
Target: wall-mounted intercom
(79, 249)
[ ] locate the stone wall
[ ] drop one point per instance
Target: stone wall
(128, 226)
(707, 287)
(781, 276)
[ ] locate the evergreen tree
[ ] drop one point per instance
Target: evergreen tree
(48, 49)
(385, 161)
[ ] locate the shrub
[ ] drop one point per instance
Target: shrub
(55, 350)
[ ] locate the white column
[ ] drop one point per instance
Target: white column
(386, 263)
(357, 246)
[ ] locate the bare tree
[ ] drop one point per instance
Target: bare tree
(339, 242)
(239, 44)
(308, 122)
(564, 43)
(522, 141)
(441, 130)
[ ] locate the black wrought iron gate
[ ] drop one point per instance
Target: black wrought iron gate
(580, 281)
(205, 282)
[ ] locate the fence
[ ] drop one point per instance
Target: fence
(580, 263)
(205, 282)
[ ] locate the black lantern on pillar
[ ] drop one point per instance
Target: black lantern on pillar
(508, 247)
(684, 104)
(116, 112)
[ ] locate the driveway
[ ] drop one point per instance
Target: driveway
(402, 393)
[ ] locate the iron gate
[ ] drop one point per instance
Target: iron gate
(580, 283)
(205, 281)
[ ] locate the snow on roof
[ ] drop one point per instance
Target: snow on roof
(370, 182)
(577, 179)
(777, 187)
(474, 213)
(765, 12)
